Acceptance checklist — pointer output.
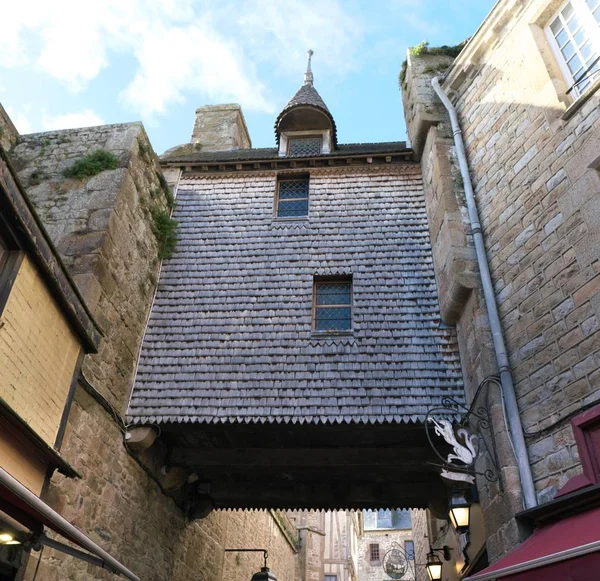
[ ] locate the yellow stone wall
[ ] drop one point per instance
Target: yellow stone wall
(21, 460)
(38, 354)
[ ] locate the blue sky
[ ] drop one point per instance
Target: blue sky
(68, 63)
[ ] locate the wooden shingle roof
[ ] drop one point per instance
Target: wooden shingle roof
(229, 337)
(306, 96)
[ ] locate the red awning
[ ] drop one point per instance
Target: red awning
(567, 550)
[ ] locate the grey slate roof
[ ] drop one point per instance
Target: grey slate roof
(266, 153)
(306, 95)
(229, 337)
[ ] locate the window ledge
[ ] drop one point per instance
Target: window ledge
(285, 223)
(290, 219)
(580, 101)
(332, 333)
(333, 338)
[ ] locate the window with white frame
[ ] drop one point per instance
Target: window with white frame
(574, 33)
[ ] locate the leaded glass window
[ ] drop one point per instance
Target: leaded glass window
(333, 304)
(292, 198)
(575, 35)
(374, 552)
(409, 549)
(304, 146)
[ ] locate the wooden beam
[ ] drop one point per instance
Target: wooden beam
(300, 457)
(263, 495)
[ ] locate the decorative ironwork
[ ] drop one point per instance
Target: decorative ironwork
(469, 433)
(396, 562)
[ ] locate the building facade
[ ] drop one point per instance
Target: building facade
(295, 332)
(46, 329)
(321, 299)
(105, 235)
(525, 89)
(386, 549)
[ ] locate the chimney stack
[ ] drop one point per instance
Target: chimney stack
(221, 128)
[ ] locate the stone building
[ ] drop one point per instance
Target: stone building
(295, 337)
(106, 235)
(321, 299)
(525, 90)
(45, 330)
(386, 549)
(328, 544)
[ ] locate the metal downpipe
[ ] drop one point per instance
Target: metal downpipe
(506, 380)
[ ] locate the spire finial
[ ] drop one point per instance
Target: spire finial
(308, 76)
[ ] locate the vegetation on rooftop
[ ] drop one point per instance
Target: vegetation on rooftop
(423, 48)
(92, 164)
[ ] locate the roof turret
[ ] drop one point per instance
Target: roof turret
(306, 110)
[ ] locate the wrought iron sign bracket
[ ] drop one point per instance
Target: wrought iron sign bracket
(469, 433)
(397, 563)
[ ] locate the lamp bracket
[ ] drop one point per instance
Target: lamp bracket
(445, 550)
(264, 551)
(469, 433)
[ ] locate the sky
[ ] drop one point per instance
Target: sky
(71, 63)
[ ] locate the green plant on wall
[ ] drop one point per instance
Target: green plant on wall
(165, 229)
(419, 49)
(402, 76)
(164, 186)
(445, 50)
(92, 164)
(37, 177)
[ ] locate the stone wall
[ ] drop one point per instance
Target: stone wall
(8, 132)
(104, 229)
(373, 570)
(534, 166)
(260, 529)
(420, 531)
(220, 128)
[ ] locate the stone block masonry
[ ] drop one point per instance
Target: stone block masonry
(535, 170)
(103, 228)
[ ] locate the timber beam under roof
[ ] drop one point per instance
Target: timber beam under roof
(283, 466)
(191, 168)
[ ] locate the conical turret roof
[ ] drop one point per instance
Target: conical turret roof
(306, 96)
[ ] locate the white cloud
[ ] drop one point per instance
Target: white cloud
(178, 59)
(180, 46)
(282, 32)
(21, 121)
(85, 118)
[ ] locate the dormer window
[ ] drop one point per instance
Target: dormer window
(305, 127)
(305, 146)
(305, 143)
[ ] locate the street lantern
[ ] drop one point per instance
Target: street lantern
(433, 566)
(434, 563)
(459, 511)
(264, 575)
